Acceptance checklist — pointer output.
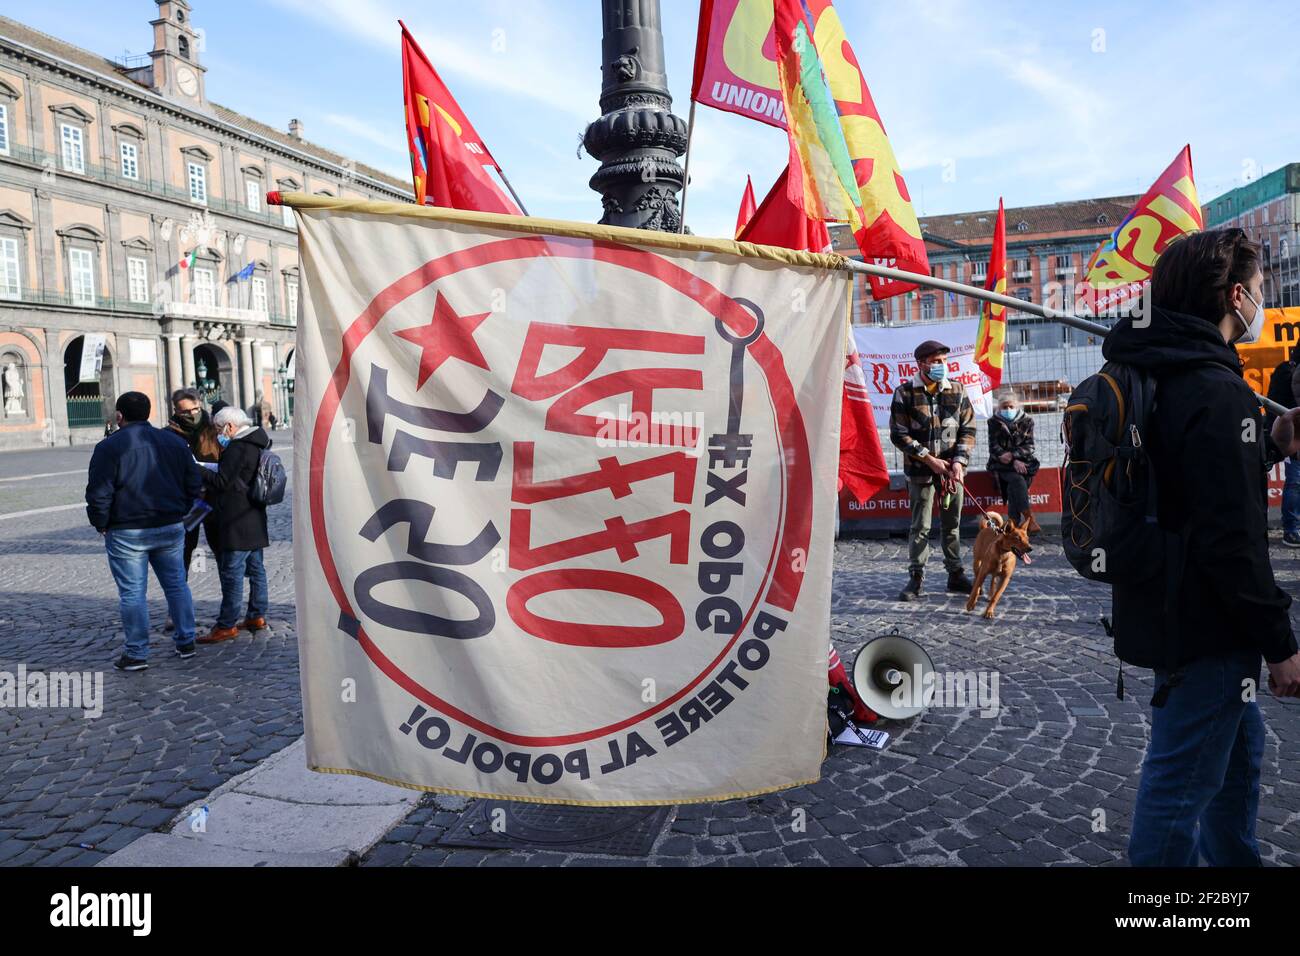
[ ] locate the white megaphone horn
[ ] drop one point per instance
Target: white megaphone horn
(890, 674)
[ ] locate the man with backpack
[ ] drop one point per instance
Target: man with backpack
(1167, 502)
(932, 422)
(241, 524)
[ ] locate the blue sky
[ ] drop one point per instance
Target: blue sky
(1021, 99)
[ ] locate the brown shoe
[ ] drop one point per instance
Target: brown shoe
(255, 624)
(218, 634)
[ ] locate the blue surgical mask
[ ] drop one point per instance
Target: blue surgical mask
(937, 371)
(223, 440)
(1008, 414)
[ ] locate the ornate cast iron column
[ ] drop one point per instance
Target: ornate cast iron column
(638, 139)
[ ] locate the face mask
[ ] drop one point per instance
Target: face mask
(1008, 414)
(937, 372)
(189, 420)
(223, 440)
(1255, 326)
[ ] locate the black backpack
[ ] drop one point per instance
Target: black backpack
(1108, 522)
(269, 482)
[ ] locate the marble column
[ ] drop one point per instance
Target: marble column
(175, 371)
(187, 359)
(245, 373)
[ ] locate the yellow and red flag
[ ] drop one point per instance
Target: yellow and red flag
(1122, 264)
(736, 70)
(448, 158)
(991, 337)
(821, 175)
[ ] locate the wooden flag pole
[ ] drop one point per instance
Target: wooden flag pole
(1042, 311)
(686, 172)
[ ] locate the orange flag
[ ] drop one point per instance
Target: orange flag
(991, 338)
(448, 158)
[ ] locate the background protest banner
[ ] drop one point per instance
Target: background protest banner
(1280, 335)
(888, 360)
(567, 513)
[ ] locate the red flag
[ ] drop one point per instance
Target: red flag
(779, 222)
(747, 207)
(447, 155)
(839, 677)
(990, 339)
(863, 471)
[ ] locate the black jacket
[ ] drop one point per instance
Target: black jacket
(1212, 490)
(1279, 386)
(1016, 436)
(141, 477)
(241, 525)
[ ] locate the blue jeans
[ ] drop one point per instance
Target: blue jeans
(1291, 498)
(131, 552)
(233, 567)
(1202, 767)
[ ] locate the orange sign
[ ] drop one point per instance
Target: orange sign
(1281, 334)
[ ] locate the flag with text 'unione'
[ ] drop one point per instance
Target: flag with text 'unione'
(448, 158)
(990, 340)
(1121, 266)
(736, 70)
(565, 505)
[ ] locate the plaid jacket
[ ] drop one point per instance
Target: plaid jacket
(943, 423)
(1016, 437)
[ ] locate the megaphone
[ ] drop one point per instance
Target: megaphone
(889, 663)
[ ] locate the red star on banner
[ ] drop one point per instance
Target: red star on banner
(447, 335)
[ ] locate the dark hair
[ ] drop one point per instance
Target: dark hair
(181, 394)
(134, 406)
(1195, 274)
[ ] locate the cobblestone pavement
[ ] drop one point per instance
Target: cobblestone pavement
(1024, 787)
(168, 735)
(1030, 786)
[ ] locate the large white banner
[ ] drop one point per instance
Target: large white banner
(888, 360)
(564, 512)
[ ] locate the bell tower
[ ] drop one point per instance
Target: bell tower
(177, 72)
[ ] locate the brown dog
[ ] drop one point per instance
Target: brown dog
(997, 546)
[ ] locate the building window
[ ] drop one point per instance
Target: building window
(979, 271)
(259, 303)
(137, 279)
(1022, 269)
(287, 216)
(877, 313)
(183, 45)
(205, 287)
(291, 297)
(4, 129)
(253, 193)
(198, 175)
(10, 278)
(130, 161)
(927, 307)
(74, 154)
(81, 269)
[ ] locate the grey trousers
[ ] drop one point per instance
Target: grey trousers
(922, 492)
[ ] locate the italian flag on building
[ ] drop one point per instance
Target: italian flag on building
(187, 260)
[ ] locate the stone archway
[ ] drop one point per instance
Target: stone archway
(214, 374)
(90, 400)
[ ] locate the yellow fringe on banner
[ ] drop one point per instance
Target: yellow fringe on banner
(578, 230)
